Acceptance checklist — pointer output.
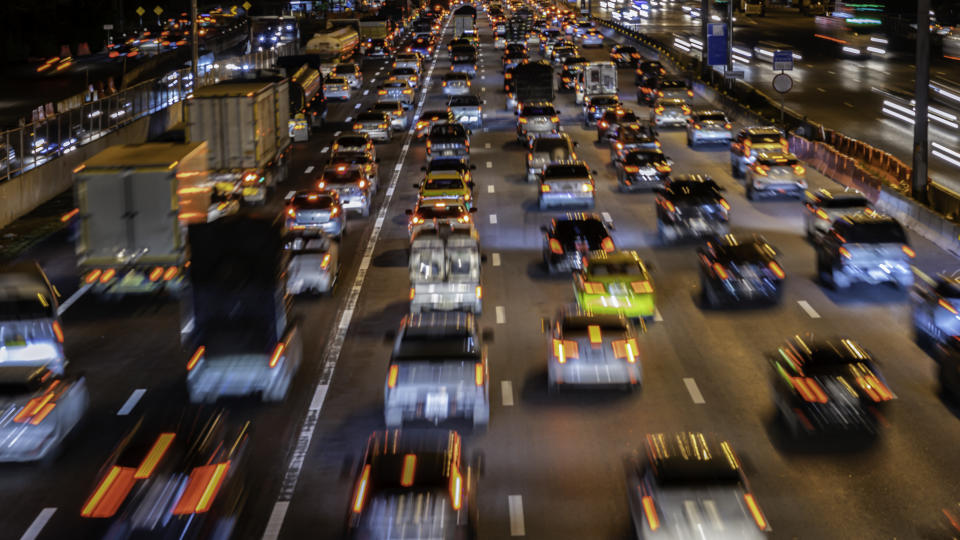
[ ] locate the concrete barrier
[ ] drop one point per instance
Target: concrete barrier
(21, 194)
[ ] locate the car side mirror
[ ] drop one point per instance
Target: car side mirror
(408, 212)
(593, 171)
(473, 209)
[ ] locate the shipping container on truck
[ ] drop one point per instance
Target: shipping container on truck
(245, 124)
(134, 203)
(307, 107)
(333, 46)
(464, 19)
(534, 81)
(374, 29)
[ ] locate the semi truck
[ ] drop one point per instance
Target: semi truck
(333, 46)
(533, 81)
(464, 20)
(235, 320)
(245, 124)
(374, 28)
(134, 202)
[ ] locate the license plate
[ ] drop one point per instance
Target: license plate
(437, 405)
(15, 342)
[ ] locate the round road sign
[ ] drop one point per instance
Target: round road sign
(782, 83)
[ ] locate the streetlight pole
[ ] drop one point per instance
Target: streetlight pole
(194, 44)
(921, 91)
(704, 16)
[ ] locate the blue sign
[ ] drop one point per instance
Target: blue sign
(783, 60)
(716, 44)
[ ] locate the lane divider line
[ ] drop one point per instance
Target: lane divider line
(131, 401)
(657, 317)
(33, 531)
(493, 219)
(506, 389)
(309, 168)
(501, 315)
(515, 506)
(694, 390)
(489, 164)
(323, 150)
(808, 309)
(490, 188)
(496, 259)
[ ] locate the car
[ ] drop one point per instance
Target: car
(365, 160)
(708, 126)
(612, 120)
(407, 60)
(567, 79)
(375, 48)
(615, 282)
(574, 64)
(825, 206)
(691, 206)
(650, 67)
(436, 213)
(560, 54)
(568, 239)
(460, 42)
(566, 183)
(467, 110)
(673, 88)
(353, 143)
(866, 247)
(625, 55)
(408, 75)
(336, 88)
(536, 118)
(516, 48)
(737, 271)
(829, 387)
(431, 117)
(414, 480)
(595, 106)
(314, 264)
(688, 485)
(643, 136)
(315, 212)
(773, 175)
(671, 112)
(749, 142)
(351, 72)
(547, 149)
(934, 302)
(455, 84)
(647, 87)
(353, 185)
(460, 165)
(396, 90)
(376, 124)
(591, 38)
(645, 168)
(422, 46)
(445, 185)
(394, 111)
(512, 59)
(586, 349)
(438, 370)
(448, 140)
(465, 66)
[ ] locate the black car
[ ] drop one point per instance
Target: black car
(644, 168)
(828, 387)
(568, 79)
(567, 240)
(612, 120)
(458, 164)
(513, 59)
(625, 55)
(375, 48)
(448, 140)
(691, 206)
(595, 106)
(421, 45)
(734, 271)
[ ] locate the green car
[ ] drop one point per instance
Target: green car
(447, 185)
(616, 282)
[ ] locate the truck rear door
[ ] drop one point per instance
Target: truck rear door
(101, 203)
(152, 213)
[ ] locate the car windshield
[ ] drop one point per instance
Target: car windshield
(538, 110)
(603, 101)
(750, 252)
(426, 264)
(574, 60)
(433, 115)
(461, 262)
(352, 141)
(555, 146)
(844, 202)
(13, 308)
(627, 50)
(345, 69)
(567, 171)
(458, 346)
(877, 232)
(336, 80)
(443, 183)
(386, 106)
(643, 158)
(312, 201)
(350, 175)
(448, 130)
(465, 101)
(711, 117)
(441, 212)
(370, 117)
(404, 71)
(765, 138)
(692, 189)
(591, 230)
(456, 77)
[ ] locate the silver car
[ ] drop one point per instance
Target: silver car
(467, 110)
(826, 206)
(536, 118)
(314, 265)
(438, 370)
(866, 248)
(407, 60)
(350, 72)
(672, 112)
(548, 149)
(353, 143)
(935, 304)
(690, 486)
(456, 84)
(565, 184)
(394, 90)
(774, 175)
(376, 124)
(408, 75)
(708, 127)
(336, 88)
(394, 111)
(592, 350)
(315, 212)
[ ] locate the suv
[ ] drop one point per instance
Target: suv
(352, 184)
(448, 140)
(708, 127)
(734, 270)
(567, 183)
(428, 119)
(825, 206)
(438, 369)
(751, 141)
(467, 110)
(691, 206)
(315, 212)
(866, 247)
(775, 174)
(643, 136)
(536, 118)
(643, 168)
(547, 149)
(609, 125)
(568, 239)
(456, 83)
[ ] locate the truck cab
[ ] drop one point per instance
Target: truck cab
(445, 270)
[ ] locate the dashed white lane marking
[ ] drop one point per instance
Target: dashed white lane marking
(489, 164)
(657, 317)
(694, 390)
(486, 145)
(365, 92)
(848, 104)
(830, 71)
(309, 168)
(290, 193)
(496, 259)
(493, 219)
(33, 531)
(490, 189)
(808, 309)
(515, 505)
(501, 315)
(323, 151)
(73, 298)
(131, 401)
(337, 133)
(506, 389)
(348, 119)
(357, 106)
(332, 354)
(484, 89)
(821, 89)
(606, 217)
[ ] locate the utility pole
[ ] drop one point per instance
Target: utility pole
(704, 17)
(194, 44)
(729, 38)
(921, 94)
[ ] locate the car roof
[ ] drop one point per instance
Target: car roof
(435, 451)
(614, 257)
(809, 350)
(692, 458)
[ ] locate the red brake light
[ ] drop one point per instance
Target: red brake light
(277, 353)
(392, 376)
(809, 389)
(57, 331)
(478, 375)
(946, 305)
(196, 357)
(650, 510)
(874, 388)
(822, 214)
(156, 453)
(631, 169)
(409, 469)
(720, 271)
(845, 252)
(565, 349)
(361, 489)
(724, 204)
(909, 252)
(607, 244)
(555, 247)
(755, 511)
(456, 487)
(110, 493)
(777, 271)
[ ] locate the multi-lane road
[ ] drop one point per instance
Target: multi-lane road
(552, 463)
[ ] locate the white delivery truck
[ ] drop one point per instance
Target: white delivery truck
(134, 202)
(445, 270)
(245, 124)
(596, 79)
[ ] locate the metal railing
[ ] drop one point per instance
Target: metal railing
(30, 146)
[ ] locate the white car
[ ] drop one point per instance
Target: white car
(591, 38)
(314, 265)
(336, 88)
(456, 84)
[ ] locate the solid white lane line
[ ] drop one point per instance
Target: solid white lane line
(515, 505)
(694, 390)
(348, 119)
(657, 317)
(496, 259)
(506, 389)
(493, 219)
(821, 89)
(73, 298)
(309, 168)
(489, 164)
(131, 401)
(501, 315)
(808, 309)
(337, 133)
(33, 531)
(848, 104)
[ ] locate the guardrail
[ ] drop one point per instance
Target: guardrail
(29, 146)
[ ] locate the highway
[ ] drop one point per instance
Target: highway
(553, 464)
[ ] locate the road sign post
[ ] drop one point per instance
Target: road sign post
(782, 60)
(782, 83)
(140, 12)
(158, 10)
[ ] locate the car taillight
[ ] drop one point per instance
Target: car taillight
(761, 169)
(110, 493)
(277, 354)
(777, 271)
(290, 212)
(326, 261)
(522, 120)
(562, 350)
(335, 212)
(669, 206)
(361, 490)
(392, 376)
(544, 188)
(877, 391)
(724, 204)
(809, 389)
(697, 126)
(658, 110)
(946, 305)
(587, 188)
(607, 244)
(456, 487)
(555, 247)
(822, 214)
(603, 124)
(109, 274)
(690, 93)
(799, 169)
(844, 252)
(720, 271)
(650, 511)
(907, 251)
(554, 119)
(197, 355)
(784, 145)
(478, 375)
(662, 168)
(594, 287)
(755, 511)
(171, 273)
(57, 331)
(382, 92)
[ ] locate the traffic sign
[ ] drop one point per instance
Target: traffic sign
(734, 74)
(782, 83)
(158, 10)
(108, 27)
(247, 5)
(782, 60)
(141, 11)
(233, 10)
(717, 44)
